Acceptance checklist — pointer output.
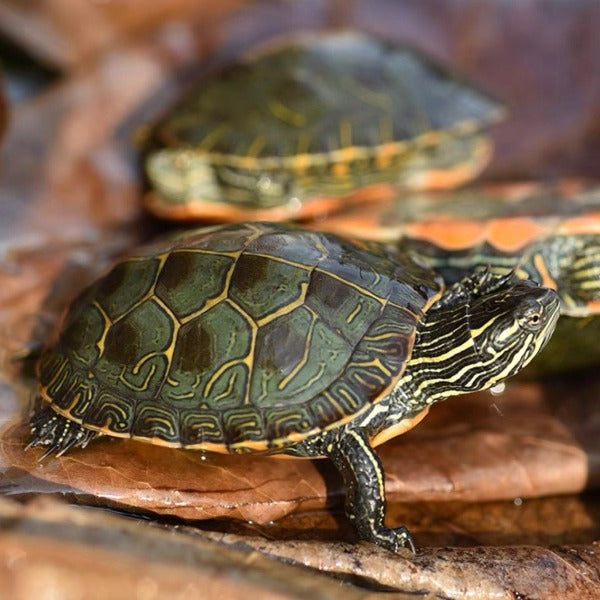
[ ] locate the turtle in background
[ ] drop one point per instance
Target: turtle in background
(305, 127)
(548, 232)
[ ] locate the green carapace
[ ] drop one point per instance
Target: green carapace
(296, 129)
(264, 338)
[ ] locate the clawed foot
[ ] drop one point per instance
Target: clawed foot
(394, 539)
(56, 433)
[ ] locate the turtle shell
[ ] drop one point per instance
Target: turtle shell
(290, 130)
(239, 338)
(549, 232)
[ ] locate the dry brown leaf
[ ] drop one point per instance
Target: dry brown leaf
(560, 573)
(62, 549)
(521, 444)
(52, 551)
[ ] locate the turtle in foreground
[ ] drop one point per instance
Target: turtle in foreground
(274, 339)
(549, 233)
(292, 131)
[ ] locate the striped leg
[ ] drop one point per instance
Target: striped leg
(364, 479)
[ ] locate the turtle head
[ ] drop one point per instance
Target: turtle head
(510, 320)
(482, 330)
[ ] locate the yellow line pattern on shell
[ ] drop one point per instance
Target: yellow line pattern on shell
(256, 146)
(304, 359)
(144, 385)
(101, 343)
(288, 308)
(209, 140)
(354, 313)
(285, 113)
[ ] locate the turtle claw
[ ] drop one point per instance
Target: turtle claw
(49, 451)
(394, 539)
(405, 538)
(48, 428)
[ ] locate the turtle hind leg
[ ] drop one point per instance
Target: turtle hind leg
(57, 433)
(364, 481)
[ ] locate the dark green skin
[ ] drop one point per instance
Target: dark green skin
(160, 350)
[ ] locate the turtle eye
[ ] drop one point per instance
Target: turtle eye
(531, 318)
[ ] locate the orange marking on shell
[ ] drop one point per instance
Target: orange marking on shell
(540, 265)
(444, 179)
(398, 429)
(201, 210)
(513, 233)
(390, 149)
(589, 223)
(340, 169)
(383, 161)
(451, 177)
(302, 162)
(449, 234)
(430, 138)
(593, 307)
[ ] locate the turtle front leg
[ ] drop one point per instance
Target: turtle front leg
(364, 481)
(57, 433)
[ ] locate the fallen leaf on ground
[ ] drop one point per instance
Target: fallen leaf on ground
(478, 447)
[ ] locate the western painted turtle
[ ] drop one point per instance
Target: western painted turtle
(293, 130)
(547, 232)
(269, 338)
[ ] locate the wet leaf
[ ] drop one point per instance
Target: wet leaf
(522, 444)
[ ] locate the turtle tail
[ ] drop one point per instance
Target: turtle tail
(48, 428)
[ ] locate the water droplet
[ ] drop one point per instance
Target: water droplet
(498, 389)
